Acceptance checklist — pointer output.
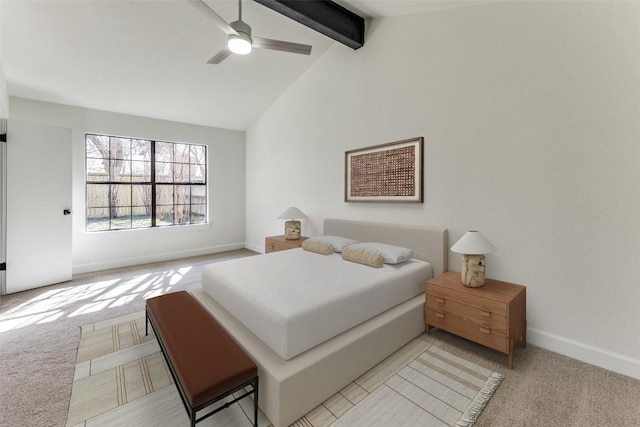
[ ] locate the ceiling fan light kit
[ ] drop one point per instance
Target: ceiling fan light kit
(240, 40)
(240, 43)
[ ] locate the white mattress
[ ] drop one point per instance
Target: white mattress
(294, 300)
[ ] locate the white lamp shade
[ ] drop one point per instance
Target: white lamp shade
(473, 243)
(292, 213)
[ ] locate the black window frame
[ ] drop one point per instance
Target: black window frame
(155, 222)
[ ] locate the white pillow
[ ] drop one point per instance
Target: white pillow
(391, 254)
(337, 242)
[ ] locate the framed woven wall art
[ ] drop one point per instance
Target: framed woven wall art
(391, 172)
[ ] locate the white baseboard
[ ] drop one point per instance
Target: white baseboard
(145, 259)
(584, 352)
(255, 248)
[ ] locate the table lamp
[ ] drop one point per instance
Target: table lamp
(292, 228)
(473, 245)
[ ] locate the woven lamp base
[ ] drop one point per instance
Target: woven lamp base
(472, 271)
(292, 230)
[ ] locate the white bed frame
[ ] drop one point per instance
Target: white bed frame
(290, 389)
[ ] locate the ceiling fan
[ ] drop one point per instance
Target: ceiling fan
(240, 40)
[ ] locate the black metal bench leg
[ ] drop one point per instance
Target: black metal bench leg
(255, 402)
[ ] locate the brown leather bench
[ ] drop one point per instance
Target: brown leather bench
(206, 364)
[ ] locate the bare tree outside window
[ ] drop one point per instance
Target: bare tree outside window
(137, 183)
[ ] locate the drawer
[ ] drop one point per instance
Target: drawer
(468, 299)
(476, 315)
(273, 246)
(481, 334)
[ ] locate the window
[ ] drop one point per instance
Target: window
(138, 183)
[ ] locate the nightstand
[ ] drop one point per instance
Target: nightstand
(279, 243)
(494, 315)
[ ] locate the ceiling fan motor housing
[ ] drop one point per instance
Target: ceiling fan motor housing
(241, 27)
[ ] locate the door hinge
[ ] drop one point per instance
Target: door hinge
(3, 137)
(3, 266)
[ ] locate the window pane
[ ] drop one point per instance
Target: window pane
(181, 153)
(120, 148)
(98, 219)
(97, 158)
(181, 172)
(141, 196)
(164, 215)
(198, 154)
(182, 213)
(164, 172)
(97, 170)
(140, 171)
(182, 194)
(141, 149)
(164, 152)
(198, 194)
(97, 146)
(122, 218)
(120, 195)
(164, 195)
(141, 217)
(198, 214)
(197, 173)
(120, 171)
(97, 195)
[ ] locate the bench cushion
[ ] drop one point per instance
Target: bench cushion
(207, 361)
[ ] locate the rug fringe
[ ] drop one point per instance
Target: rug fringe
(471, 414)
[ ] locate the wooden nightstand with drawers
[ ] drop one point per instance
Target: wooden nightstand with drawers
(279, 243)
(494, 315)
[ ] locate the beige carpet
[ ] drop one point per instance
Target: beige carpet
(121, 378)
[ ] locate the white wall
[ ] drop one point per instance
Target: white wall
(531, 118)
(96, 251)
(4, 96)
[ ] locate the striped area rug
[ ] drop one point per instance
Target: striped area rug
(121, 379)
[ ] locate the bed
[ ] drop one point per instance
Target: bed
(297, 372)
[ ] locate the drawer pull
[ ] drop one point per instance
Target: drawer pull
(485, 313)
(440, 300)
(485, 330)
(440, 315)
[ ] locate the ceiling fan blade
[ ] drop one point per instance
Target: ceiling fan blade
(205, 8)
(220, 56)
(260, 43)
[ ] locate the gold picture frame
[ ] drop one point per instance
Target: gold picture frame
(391, 172)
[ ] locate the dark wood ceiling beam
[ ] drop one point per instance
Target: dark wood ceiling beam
(324, 16)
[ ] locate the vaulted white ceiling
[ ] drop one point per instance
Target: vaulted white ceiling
(148, 57)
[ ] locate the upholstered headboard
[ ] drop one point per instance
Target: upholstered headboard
(430, 243)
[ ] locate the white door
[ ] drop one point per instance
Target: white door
(38, 193)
